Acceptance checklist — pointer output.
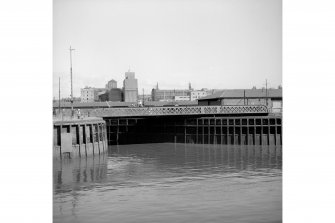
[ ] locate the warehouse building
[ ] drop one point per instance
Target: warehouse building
(270, 97)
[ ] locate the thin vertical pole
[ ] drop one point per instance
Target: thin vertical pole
(59, 97)
(266, 91)
(71, 81)
(244, 97)
(143, 97)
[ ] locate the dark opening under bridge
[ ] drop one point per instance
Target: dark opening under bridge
(228, 125)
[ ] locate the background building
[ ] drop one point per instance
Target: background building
(182, 98)
(130, 87)
(103, 96)
(111, 84)
(89, 94)
(146, 97)
(167, 95)
(114, 94)
(271, 98)
(195, 95)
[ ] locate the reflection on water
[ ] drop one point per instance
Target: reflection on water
(171, 183)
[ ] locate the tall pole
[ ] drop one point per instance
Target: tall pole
(143, 97)
(59, 97)
(71, 81)
(244, 97)
(266, 91)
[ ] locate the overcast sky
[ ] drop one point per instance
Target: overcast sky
(210, 43)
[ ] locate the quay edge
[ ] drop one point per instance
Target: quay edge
(79, 137)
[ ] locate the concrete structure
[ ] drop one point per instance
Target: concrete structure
(79, 138)
(89, 94)
(181, 98)
(130, 87)
(195, 95)
(272, 98)
(111, 84)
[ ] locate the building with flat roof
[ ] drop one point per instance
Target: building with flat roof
(89, 94)
(130, 87)
(272, 98)
(167, 95)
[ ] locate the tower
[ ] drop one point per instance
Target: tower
(130, 87)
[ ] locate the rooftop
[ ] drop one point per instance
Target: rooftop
(249, 93)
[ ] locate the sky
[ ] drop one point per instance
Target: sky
(215, 44)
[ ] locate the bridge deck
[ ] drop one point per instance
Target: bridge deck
(180, 110)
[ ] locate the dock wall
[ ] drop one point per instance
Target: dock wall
(79, 138)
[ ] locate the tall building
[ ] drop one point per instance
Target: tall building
(190, 87)
(111, 84)
(89, 94)
(130, 87)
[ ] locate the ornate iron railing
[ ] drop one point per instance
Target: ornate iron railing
(180, 110)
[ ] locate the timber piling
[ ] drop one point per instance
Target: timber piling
(79, 137)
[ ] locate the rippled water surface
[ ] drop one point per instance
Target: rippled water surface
(171, 183)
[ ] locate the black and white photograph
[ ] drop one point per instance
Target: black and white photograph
(167, 111)
(138, 111)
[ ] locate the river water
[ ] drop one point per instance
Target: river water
(171, 183)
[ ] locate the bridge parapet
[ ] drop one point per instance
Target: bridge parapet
(180, 110)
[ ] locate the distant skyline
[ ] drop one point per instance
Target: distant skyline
(210, 43)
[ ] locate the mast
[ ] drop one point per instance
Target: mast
(143, 97)
(266, 91)
(59, 96)
(71, 82)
